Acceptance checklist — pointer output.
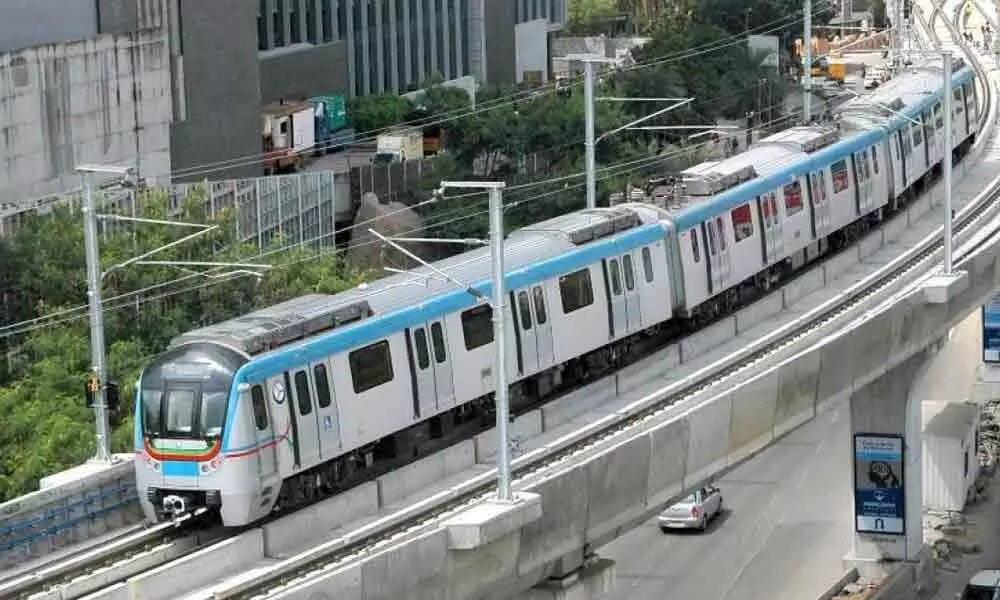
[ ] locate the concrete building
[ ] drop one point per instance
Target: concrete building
(386, 46)
(175, 86)
(103, 97)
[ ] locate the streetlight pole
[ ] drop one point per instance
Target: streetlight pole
(807, 54)
(947, 163)
(495, 189)
(99, 377)
(589, 143)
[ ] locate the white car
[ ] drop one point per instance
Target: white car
(693, 512)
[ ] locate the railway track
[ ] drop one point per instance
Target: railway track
(113, 561)
(399, 528)
(156, 546)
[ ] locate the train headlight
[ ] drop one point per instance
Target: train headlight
(211, 466)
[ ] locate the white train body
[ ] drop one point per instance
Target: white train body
(301, 397)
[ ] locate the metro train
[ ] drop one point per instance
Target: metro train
(280, 406)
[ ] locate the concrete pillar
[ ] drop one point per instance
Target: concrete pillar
(887, 417)
(594, 579)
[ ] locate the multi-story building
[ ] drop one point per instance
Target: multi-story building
(201, 69)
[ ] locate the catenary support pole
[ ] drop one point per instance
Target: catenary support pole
(96, 318)
(947, 162)
(589, 143)
(807, 53)
(500, 361)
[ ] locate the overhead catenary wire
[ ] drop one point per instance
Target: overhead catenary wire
(509, 100)
(134, 298)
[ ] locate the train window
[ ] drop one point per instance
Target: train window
(841, 181)
(959, 104)
(696, 255)
(742, 222)
(180, 412)
(711, 238)
(539, 297)
(259, 407)
(576, 291)
(302, 393)
(524, 307)
(864, 164)
(822, 185)
(629, 272)
(774, 208)
(371, 366)
(647, 264)
(420, 341)
(437, 338)
(322, 386)
(616, 277)
(477, 325)
(917, 136)
(793, 197)
(720, 236)
(938, 117)
(875, 159)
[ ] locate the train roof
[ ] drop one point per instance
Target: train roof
(300, 318)
(716, 186)
(901, 98)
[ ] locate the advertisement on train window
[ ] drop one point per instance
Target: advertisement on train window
(991, 331)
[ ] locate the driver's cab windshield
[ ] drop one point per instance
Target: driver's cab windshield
(183, 412)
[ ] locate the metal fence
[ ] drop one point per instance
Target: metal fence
(303, 208)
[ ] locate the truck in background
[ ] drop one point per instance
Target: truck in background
(399, 145)
(287, 132)
(292, 131)
(332, 132)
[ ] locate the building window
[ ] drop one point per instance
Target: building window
(371, 366)
(576, 291)
(19, 70)
(477, 326)
(259, 407)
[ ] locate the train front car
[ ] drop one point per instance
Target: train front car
(182, 422)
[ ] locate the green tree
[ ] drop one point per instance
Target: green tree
(371, 113)
(46, 425)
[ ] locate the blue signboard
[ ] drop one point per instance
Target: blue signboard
(991, 331)
(878, 484)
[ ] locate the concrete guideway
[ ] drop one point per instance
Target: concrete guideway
(785, 527)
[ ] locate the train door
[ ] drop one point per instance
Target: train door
(327, 414)
(718, 254)
(443, 381)
(419, 348)
(525, 323)
(285, 424)
(619, 320)
(543, 329)
(774, 239)
(821, 208)
(862, 177)
(266, 460)
(633, 311)
(302, 404)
